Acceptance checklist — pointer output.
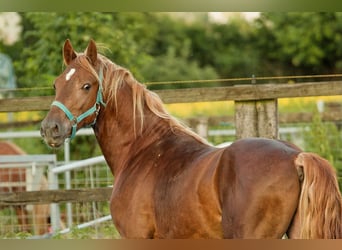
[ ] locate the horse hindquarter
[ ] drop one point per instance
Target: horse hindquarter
(259, 189)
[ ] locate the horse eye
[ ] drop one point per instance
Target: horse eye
(86, 86)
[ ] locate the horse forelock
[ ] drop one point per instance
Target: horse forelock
(82, 61)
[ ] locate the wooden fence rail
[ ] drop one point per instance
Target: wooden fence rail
(209, 94)
(55, 196)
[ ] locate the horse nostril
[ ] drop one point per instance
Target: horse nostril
(50, 129)
(56, 128)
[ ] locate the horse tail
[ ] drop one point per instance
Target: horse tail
(320, 202)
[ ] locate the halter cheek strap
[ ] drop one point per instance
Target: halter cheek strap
(75, 120)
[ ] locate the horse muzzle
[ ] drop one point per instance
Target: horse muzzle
(54, 132)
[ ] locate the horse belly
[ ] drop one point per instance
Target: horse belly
(190, 224)
(138, 218)
(132, 213)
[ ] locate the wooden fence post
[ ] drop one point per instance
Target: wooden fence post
(256, 118)
(202, 127)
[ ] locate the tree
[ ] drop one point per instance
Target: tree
(275, 44)
(45, 33)
(175, 68)
(226, 47)
(129, 39)
(301, 42)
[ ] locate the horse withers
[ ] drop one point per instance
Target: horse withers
(170, 183)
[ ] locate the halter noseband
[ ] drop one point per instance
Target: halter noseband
(93, 110)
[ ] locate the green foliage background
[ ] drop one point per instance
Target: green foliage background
(325, 139)
(164, 47)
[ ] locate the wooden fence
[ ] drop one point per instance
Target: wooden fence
(55, 196)
(248, 92)
(256, 104)
(256, 114)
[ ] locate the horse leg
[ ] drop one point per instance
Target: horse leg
(22, 216)
(40, 217)
(294, 230)
(267, 217)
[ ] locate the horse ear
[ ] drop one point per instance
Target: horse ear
(91, 52)
(69, 53)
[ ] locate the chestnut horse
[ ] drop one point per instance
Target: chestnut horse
(15, 179)
(170, 183)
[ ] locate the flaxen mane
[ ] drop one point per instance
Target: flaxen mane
(115, 76)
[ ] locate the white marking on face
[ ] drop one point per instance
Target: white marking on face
(69, 74)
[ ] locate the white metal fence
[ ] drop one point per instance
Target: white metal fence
(24, 173)
(88, 173)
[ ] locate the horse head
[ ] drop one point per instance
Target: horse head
(78, 95)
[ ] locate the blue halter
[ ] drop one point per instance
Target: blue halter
(93, 110)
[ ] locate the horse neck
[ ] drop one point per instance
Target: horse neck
(120, 140)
